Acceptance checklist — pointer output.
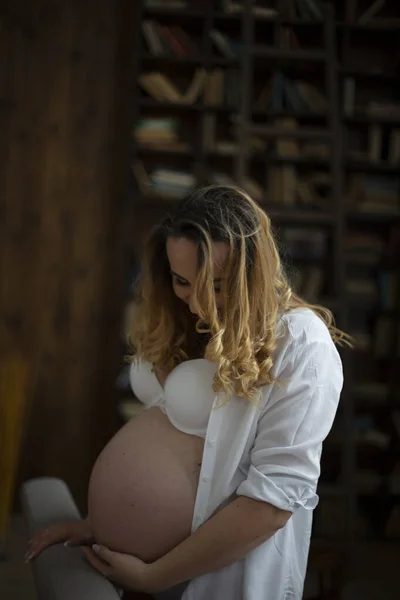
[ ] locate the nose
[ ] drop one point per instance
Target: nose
(192, 304)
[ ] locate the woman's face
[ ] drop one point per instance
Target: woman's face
(182, 257)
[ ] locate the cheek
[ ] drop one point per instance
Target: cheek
(180, 292)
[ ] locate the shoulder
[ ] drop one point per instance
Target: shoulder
(301, 326)
(304, 339)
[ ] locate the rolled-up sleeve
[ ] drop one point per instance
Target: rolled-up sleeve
(285, 459)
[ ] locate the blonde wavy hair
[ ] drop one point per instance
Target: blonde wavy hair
(255, 291)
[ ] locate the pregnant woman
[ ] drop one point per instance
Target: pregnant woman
(209, 492)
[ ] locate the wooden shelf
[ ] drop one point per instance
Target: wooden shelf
(372, 167)
(295, 55)
(294, 160)
(152, 103)
(372, 217)
(190, 60)
(364, 119)
(293, 215)
(371, 27)
(369, 74)
(298, 133)
(183, 13)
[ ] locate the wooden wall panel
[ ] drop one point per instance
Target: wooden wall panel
(64, 123)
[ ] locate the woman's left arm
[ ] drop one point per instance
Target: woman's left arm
(225, 538)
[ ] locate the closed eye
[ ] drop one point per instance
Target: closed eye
(181, 282)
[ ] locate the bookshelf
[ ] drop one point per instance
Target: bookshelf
(368, 77)
(274, 100)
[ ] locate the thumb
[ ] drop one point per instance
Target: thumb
(104, 553)
(83, 540)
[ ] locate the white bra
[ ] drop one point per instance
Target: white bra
(187, 397)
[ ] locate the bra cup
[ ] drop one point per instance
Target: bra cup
(144, 382)
(189, 397)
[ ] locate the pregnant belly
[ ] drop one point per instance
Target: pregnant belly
(143, 487)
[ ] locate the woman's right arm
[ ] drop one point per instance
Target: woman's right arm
(72, 533)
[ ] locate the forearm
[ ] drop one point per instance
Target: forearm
(224, 539)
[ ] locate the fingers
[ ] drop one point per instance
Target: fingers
(36, 545)
(98, 564)
(104, 553)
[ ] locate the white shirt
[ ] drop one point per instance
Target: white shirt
(272, 453)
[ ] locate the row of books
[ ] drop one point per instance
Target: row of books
(281, 92)
(369, 14)
(377, 144)
(162, 182)
(354, 104)
(375, 291)
(307, 10)
(161, 88)
(166, 40)
(221, 87)
(374, 193)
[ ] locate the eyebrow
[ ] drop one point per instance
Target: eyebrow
(217, 280)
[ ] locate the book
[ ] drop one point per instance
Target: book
(278, 83)
(175, 44)
(152, 38)
(312, 97)
(214, 88)
(195, 87)
(189, 44)
(349, 91)
(209, 128)
(313, 283)
(308, 10)
(160, 87)
(220, 178)
(289, 185)
(286, 147)
(264, 98)
(253, 188)
(313, 9)
(171, 176)
(383, 337)
(222, 44)
(304, 244)
(307, 193)
(232, 88)
(394, 147)
(288, 10)
(258, 11)
(364, 288)
(315, 150)
(275, 185)
(293, 98)
(141, 177)
(386, 283)
(374, 143)
(364, 248)
(384, 110)
(371, 11)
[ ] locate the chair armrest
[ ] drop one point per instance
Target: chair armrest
(60, 573)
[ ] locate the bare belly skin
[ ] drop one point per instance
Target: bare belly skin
(143, 487)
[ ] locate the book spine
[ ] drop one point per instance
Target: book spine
(374, 143)
(349, 96)
(175, 45)
(371, 11)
